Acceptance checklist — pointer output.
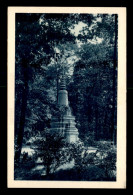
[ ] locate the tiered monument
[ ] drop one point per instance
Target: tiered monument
(65, 124)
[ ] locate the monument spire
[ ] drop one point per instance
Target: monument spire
(66, 124)
(62, 93)
(63, 83)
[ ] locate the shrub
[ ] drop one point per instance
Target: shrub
(103, 161)
(106, 158)
(53, 151)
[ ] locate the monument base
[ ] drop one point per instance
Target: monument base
(65, 126)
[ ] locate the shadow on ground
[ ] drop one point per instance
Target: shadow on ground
(93, 173)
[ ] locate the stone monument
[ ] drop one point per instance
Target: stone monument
(65, 125)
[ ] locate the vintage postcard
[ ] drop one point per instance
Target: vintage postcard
(66, 97)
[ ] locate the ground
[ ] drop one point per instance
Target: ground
(35, 171)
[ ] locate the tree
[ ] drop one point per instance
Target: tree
(24, 57)
(93, 88)
(91, 92)
(36, 37)
(108, 30)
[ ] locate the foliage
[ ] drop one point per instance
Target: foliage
(103, 158)
(92, 173)
(52, 151)
(90, 140)
(91, 91)
(99, 165)
(23, 169)
(81, 157)
(45, 43)
(106, 158)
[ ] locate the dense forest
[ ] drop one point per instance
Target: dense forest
(86, 46)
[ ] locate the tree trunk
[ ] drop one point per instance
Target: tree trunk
(57, 79)
(22, 115)
(114, 83)
(104, 129)
(47, 170)
(96, 128)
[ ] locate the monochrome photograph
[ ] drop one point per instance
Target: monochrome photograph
(65, 97)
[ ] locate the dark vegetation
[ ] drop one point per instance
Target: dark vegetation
(45, 44)
(98, 165)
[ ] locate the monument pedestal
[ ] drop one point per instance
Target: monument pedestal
(65, 126)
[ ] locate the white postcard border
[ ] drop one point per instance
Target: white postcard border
(121, 103)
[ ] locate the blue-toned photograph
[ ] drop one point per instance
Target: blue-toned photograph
(66, 97)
